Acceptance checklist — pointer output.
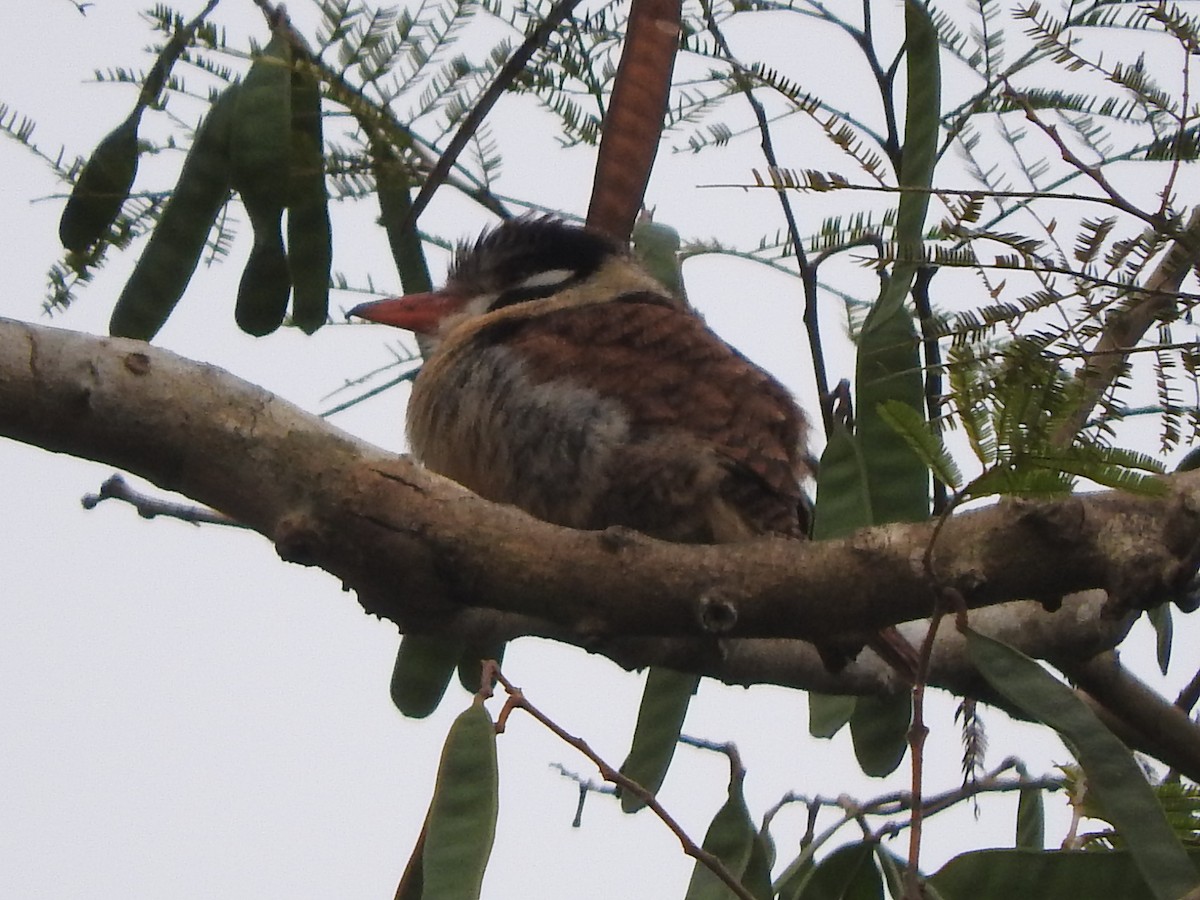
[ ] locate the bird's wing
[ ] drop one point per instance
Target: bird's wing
(680, 383)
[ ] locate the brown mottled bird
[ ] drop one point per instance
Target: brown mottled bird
(565, 380)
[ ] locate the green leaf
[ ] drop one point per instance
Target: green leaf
(1164, 630)
(848, 873)
(969, 390)
(889, 362)
(843, 505)
(879, 729)
(462, 814)
(757, 876)
(829, 713)
(424, 666)
(889, 370)
(791, 881)
(731, 838)
(1112, 774)
(927, 444)
(1042, 875)
(660, 718)
(1031, 820)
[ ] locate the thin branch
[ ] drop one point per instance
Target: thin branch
(1125, 328)
(483, 106)
(517, 699)
(808, 273)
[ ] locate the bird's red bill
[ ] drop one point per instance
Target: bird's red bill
(416, 312)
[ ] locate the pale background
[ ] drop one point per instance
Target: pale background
(183, 715)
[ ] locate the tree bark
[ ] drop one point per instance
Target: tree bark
(429, 555)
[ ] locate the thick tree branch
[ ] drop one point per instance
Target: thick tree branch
(425, 553)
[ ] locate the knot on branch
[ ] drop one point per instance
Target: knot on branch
(717, 615)
(297, 539)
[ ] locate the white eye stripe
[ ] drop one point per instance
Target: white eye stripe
(549, 278)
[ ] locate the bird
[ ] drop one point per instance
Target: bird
(562, 378)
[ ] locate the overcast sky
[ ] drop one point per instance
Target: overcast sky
(184, 715)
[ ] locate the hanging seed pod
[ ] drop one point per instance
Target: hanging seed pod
(166, 265)
(309, 242)
(102, 187)
(261, 143)
(461, 825)
(106, 178)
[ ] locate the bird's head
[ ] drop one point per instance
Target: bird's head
(523, 259)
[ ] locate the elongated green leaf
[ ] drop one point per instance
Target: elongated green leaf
(757, 877)
(848, 873)
(166, 265)
(892, 869)
(842, 507)
(911, 425)
(462, 814)
(889, 362)
(1164, 631)
(791, 880)
(829, 713)
(843, 504)
(1031, 820)
(424, 666)
(1042, 875)
(731, 837)
(1112, 774)
(879, 728)
(660, 718)
(923, 111)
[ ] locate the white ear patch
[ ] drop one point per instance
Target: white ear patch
(549, 278)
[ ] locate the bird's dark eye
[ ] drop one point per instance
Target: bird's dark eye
(535, 286)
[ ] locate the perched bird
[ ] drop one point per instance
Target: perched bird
(563, 379)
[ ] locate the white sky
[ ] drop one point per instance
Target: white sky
(183, 715)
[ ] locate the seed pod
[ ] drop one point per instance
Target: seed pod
(102, 187)
(309, 243)
(462, 815)
(166, 265)
(260, 149)
(263, 291)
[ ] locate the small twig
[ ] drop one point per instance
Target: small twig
(483, 106)
(917, 733)
(586, 786)
(1095, 173)
(116, 488)
(808, 272)
(516, 700)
